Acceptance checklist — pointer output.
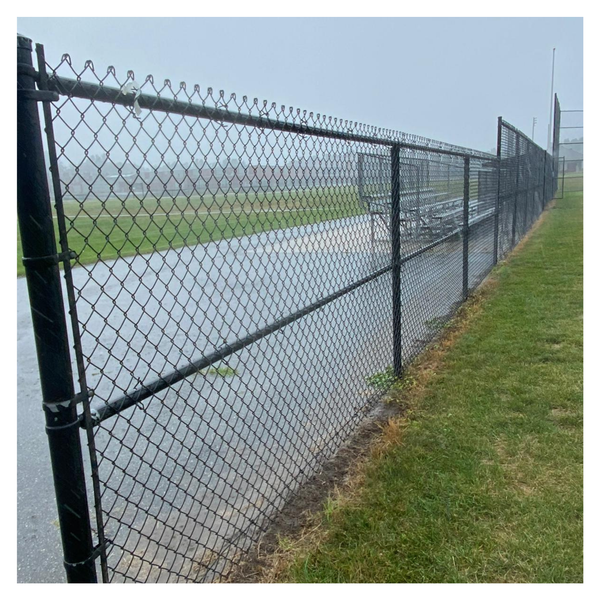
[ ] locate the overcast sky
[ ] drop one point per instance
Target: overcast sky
(447, 79)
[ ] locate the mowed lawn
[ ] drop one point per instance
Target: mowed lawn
(482, 479)
(105, 230)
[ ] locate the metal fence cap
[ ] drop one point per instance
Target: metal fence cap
(24, 42)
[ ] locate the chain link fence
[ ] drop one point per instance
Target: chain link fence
(568, 140)
(243, 283)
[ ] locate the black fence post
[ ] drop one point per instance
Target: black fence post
(361, 176)
(524, 182)
(545, 172)
(418, 198)
(544, 182)
(396, 258)
(514, 223)
(556, 143)
(466, 191)
(497, 207)
(49, 325)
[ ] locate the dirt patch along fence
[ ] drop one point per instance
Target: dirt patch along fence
(240, 285)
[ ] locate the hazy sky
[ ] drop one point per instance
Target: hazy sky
(447, 79)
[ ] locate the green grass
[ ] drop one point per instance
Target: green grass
(485, 482)
(382, 379)
(105, 230)
(224, 371)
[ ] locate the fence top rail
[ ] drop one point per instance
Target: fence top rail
(286, 120)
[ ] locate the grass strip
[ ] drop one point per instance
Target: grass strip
(481, 479)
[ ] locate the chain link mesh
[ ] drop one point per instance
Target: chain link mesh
(232, 290)
(568, 149)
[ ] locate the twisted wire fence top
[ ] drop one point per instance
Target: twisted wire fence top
(234, 294)
(67, 79)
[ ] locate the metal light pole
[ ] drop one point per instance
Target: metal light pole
(551, 101)
(533, 129)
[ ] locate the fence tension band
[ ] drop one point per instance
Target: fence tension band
(39, 95)
(24, 69)
(55, 407)
(97, 551)
(45, 261)
(74, 401)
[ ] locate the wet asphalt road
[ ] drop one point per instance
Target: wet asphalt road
(187, 303)
(39, 557)
(192, 301)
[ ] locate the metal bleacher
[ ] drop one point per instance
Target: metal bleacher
(431, 203)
